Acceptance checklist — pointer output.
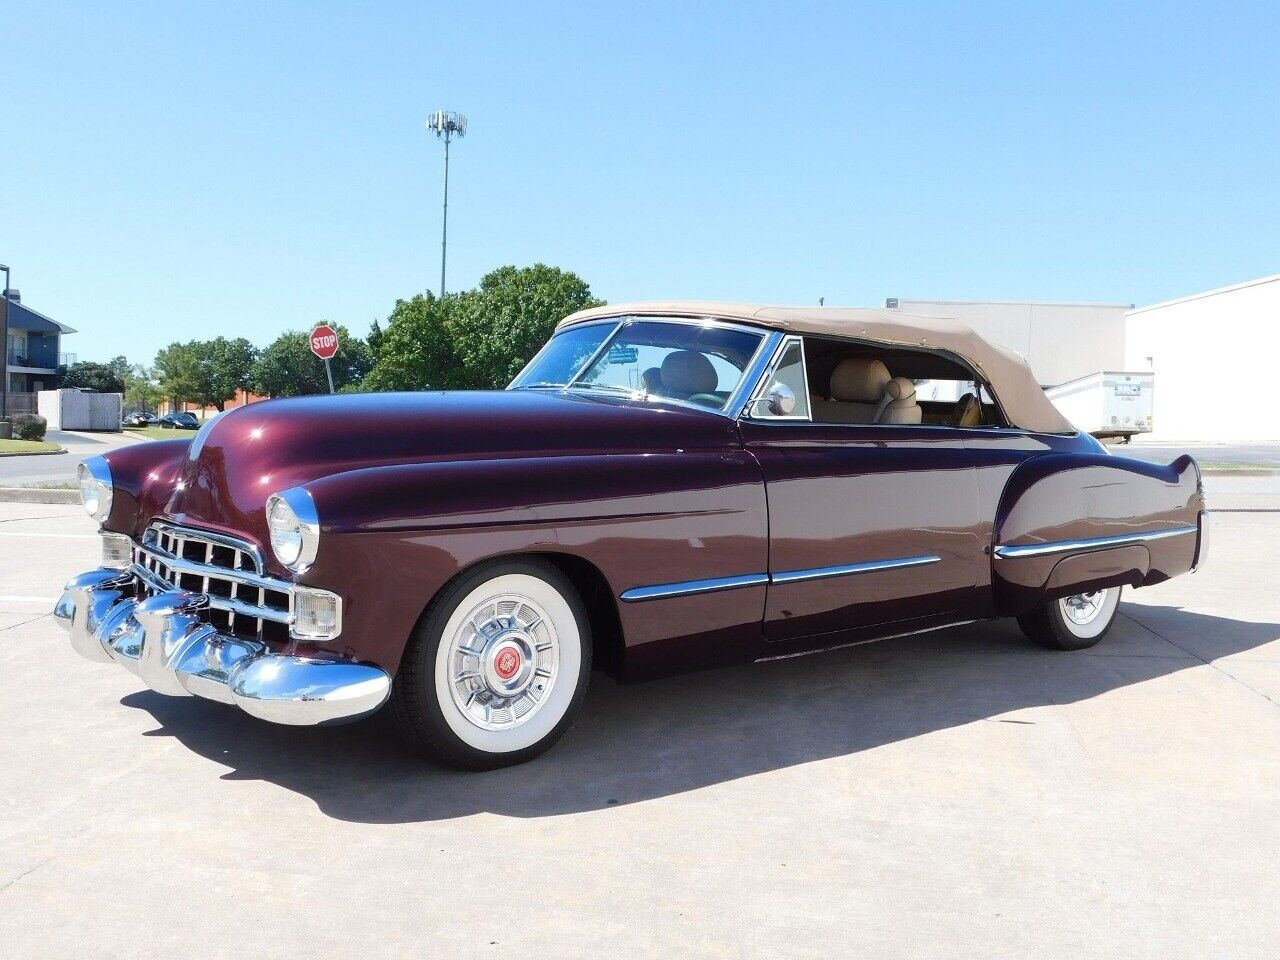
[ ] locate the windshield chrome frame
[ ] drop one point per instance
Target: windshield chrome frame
(736, 400)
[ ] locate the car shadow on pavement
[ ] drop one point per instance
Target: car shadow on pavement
(639, 742)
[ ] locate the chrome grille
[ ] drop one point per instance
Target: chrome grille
(229, 571)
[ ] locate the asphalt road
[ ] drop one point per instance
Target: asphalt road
(59, 467)
(951, 795)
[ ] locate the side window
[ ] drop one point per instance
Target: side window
(790, 372)
(855, 382)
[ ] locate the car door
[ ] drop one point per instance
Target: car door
(869, 526)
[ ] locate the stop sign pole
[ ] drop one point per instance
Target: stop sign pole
(324, 344)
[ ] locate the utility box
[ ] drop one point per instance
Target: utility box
(1110, 403)
(80, 410)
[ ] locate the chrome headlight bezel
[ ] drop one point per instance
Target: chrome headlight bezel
(293, 527)
(96, 490)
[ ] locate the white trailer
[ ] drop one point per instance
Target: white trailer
(1110, 403)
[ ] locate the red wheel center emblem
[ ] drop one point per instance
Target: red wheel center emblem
(508, 664)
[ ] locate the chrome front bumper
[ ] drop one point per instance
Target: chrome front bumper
(165, 641)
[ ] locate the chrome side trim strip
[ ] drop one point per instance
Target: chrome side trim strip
(1084, 546)
(849, 569)
(690, 587)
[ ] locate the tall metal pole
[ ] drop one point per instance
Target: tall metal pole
(446, 126)
(444, 236)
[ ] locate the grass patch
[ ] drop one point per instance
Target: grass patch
(159, 433)
(16, 448)
(1239, 466)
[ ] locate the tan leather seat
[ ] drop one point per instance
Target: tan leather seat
(899, 403)
(857, 387)
(687, 372)
(968, 412)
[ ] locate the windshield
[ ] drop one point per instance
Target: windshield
(653, 359)
(563, 356)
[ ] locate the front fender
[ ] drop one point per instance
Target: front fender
(392, 536)
(143, 478)
(1072, 522)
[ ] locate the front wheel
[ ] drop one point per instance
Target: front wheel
(1072, 623)
(497, 667)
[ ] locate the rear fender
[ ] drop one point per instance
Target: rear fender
(1074, 522)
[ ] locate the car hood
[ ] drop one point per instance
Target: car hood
(236, 462)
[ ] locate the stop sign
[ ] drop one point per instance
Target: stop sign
(324, 341)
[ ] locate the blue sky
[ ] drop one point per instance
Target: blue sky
(174, 170)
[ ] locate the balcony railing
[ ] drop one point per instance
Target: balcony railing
(42, 358)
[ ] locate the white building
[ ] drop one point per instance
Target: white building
(1212, 354)
(1206, 350)
(1061, 341)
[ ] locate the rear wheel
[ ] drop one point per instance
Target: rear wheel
(1072, 623)
(497, 667)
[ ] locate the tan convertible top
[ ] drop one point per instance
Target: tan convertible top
(1005, 370)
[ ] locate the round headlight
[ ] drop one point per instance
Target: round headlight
(294, 528)
(95, 487)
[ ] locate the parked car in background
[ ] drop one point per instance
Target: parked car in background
(664, 487)
(179, 421)
(140, 420)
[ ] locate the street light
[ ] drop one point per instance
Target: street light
(446, 126)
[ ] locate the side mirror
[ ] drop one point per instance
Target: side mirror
(779, 401)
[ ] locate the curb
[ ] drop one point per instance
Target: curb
(36, 453)
(37, 495)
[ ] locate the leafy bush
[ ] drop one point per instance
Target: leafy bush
(29, 426)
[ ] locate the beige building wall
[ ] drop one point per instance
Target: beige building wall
(1061, 341)
(1214, 357)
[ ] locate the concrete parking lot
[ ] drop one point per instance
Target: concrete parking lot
(954, 794)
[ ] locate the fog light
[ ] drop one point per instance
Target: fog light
(117, 551)
(317, 614)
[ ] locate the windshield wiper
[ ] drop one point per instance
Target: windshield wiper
(542, 385)
(609, 387)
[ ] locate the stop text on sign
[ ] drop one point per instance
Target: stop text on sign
(324, 342)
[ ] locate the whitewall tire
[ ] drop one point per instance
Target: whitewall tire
(1075, 622)
(497, 667)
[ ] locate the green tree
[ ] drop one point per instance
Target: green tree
(478, 339)
(497, 331)
(121, 367)
(288, 368)
(178, 366)
(415, 348)
(225, 366)
(93, 376)
(142, 391)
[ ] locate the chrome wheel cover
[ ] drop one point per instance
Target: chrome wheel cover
(1083, 608)
(503, 662)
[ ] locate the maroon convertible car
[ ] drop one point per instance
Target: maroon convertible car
(665, 486)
